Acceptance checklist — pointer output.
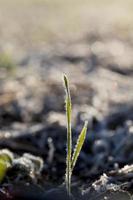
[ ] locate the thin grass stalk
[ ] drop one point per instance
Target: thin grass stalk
(69, 135)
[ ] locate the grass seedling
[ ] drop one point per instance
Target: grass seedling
(6, 159)
(71, 159)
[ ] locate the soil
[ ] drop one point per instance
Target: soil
(32, 120)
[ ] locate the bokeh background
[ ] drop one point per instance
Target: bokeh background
(31, 24)
(92, 42)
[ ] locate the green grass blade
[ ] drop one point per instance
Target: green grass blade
(69, 137)
(79, 145)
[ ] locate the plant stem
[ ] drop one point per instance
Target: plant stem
(69, 136)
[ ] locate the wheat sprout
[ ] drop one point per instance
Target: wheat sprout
(71, 159)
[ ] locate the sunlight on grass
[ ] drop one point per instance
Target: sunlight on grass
(71, 159)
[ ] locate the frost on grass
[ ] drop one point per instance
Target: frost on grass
(71, 159)
(25, 168)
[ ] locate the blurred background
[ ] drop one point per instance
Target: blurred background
(92, 42)
(30, 25)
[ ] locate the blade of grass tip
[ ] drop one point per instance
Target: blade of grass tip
(69, 137)
(79, 145)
